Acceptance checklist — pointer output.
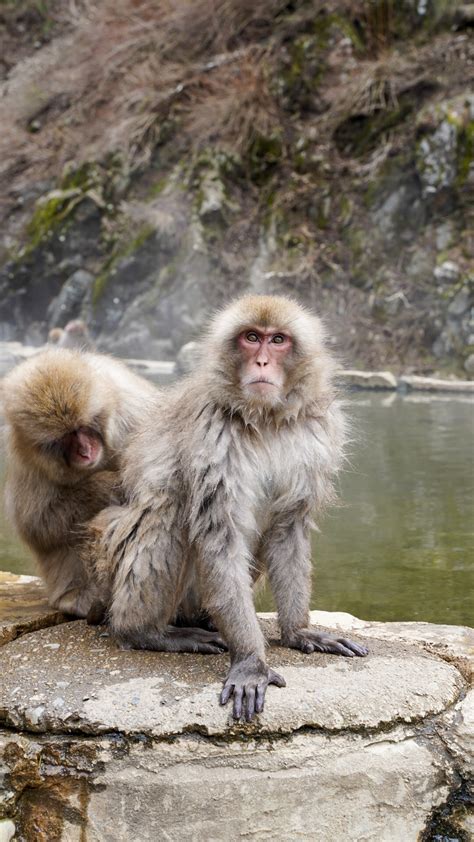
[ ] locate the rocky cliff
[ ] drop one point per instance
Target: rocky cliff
(158, 159)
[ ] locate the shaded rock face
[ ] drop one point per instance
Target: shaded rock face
(104, 744)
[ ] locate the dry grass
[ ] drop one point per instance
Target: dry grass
(125, 75)
(112, 80)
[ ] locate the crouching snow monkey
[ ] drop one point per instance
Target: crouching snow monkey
(222, 479)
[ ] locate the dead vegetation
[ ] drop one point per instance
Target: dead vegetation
(306, 100)
(129, 75)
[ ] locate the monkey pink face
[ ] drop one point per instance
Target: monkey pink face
(82, 448)
(263, 352)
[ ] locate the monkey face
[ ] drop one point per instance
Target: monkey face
(263, 353)
(82, 449)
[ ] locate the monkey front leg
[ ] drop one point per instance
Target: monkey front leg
(286, 550)
(227, 595)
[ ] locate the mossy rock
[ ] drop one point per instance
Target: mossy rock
(133, 246)
(264, 155)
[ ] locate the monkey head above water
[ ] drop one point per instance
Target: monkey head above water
(222, 478)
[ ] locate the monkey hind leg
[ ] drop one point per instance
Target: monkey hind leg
(173, 639)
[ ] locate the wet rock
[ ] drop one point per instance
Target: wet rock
(444, 236)
(460, 303)
(437, 158)
(137, 341)
(433, 384)
(447, 273)
(469, 364)
(67, 305)
(212, 205)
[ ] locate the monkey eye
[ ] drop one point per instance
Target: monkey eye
(278, 339)
(251, 336)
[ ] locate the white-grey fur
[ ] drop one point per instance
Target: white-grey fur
(222, 485)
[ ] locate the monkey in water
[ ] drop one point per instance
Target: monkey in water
(68, 417)
(55, 335)
(74, 335)
(221, 480)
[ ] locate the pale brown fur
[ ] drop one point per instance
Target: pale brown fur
(50, 500)
(221, 482)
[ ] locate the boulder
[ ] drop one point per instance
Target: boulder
(104, 744)
(448, 272)
(67, 304)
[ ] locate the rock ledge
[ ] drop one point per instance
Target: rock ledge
(103, 744)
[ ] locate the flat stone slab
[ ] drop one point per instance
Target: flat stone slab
(455, 643)
(368, 379)
(434, 384)
(23, 606)
(110, 745)
(73, 677)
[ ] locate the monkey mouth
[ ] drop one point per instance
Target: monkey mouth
(261, 381)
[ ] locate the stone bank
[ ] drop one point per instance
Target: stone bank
(99, 744)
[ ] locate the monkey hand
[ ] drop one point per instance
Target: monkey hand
(247, 682)
(309, 640)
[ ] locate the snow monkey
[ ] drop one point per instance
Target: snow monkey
(74, 335)
(68, 415)
(221, 481)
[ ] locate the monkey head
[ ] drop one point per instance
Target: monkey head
(55, 419)
(76, 328)
(268, 353)
(55, 335)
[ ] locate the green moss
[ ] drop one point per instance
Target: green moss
(51, 212)
(55, 209)
(131, 247)
(264, 155)
(325, 24)
(346, 209)
(359, 134)
(157, 188)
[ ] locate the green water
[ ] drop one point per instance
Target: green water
(401, 545)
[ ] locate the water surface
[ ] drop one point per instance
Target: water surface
(401, 545)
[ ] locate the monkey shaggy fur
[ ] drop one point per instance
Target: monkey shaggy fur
(221, 480)
(50, 498)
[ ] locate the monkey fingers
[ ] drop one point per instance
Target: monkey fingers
(308, 641)
(247, 682)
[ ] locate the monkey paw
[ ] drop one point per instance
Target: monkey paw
(247, 682)
(309, 640)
